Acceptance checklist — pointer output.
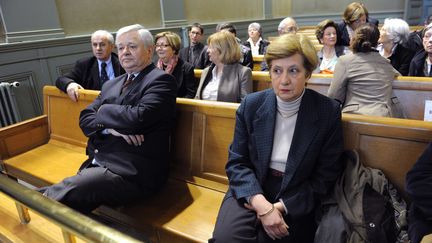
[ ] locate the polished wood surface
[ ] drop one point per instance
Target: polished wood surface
(412, 92)
(46, 164)
(186, 209)
(39, 230)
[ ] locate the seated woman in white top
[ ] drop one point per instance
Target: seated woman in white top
(326, 33)
(225, 79)
(255, 42)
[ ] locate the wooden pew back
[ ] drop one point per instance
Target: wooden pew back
(412, 92)
(390, 144)
(63, 115)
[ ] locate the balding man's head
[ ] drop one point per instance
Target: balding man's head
(287, 25)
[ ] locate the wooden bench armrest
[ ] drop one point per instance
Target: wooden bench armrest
(23, 136)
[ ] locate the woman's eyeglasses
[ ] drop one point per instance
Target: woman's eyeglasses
(161, 45)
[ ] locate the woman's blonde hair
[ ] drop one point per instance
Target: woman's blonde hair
(173, 40)
(353, 12)
(227, 46)
(290, 44)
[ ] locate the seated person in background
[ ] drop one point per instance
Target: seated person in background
(92, 72)
(354, 16)
(128, 126)
(421, 63)
(393, 36)
(287, 25)
(418, 187)
(246, 58)
(326, 33)
(167, 45)
(362, 81)
(191, 54)
(415, 38)
(255, 42)
(226, 79)
(285, 155)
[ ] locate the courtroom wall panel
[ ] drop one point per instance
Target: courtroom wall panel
(36, 64)
(222, 10)
(282, 8)
(83, 17)
(333, 9)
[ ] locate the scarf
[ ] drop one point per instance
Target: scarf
(171, 64)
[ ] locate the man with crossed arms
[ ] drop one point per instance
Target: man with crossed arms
(128, 126)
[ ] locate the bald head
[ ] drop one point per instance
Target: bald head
(287, 25)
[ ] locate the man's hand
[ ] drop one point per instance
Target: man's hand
(72, 91)
(136, 140)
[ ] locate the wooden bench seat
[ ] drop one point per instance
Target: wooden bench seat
(186, 209)
(64, 159)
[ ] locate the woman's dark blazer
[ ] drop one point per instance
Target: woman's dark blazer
(342, 32)
(262, 46)
(184, 74)
(314, 158)
(401, 59)
(342, 35)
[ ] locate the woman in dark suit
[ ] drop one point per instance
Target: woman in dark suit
(393, 36)
(225, 79)
(355, 14)
(285, 154)
(167, 46)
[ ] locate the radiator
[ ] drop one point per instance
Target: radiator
(8, 106)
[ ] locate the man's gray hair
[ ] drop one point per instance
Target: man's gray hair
(105, 33)
(282, 24)
(145, 35)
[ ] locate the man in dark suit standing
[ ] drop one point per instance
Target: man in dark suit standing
(128, 126)
(92, 72)
(191, 54)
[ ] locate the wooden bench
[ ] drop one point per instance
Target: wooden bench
(412, 92)
(257, 61)
(46, 149)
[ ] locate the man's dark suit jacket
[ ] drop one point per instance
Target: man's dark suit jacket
(417, 64)
(86, 73)
(314, 158)
(184, 74)
(184, 54)
(147, 107)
